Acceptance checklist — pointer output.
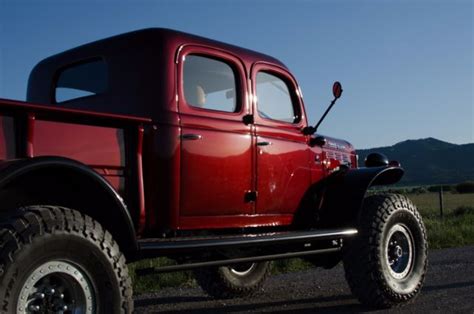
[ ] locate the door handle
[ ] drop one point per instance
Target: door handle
(264, 143)
(191, 137)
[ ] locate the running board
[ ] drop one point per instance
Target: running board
(231, 261)
(299, 240)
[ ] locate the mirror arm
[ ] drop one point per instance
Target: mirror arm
(337, 91)
(325, 114)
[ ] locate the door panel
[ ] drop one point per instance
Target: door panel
(216, 145)
(216, 171)
(283, 175)
(282, 155)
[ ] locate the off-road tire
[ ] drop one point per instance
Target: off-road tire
(35, 236)
(223, 282)
(367, 258)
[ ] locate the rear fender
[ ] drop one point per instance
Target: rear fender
(64, 182)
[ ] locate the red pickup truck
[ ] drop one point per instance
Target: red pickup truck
(160, 143)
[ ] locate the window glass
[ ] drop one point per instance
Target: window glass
(209, 84)
(81, 80)
(274, 98)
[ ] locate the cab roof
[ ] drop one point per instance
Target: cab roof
(137, 61)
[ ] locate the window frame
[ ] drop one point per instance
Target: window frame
(60, 70)
(293, 88)
(238, 69)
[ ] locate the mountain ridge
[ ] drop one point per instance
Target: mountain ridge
(429, 161)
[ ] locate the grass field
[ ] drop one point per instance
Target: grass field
(456, 228)
(428, 203)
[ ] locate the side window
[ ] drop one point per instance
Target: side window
(274, 99)
(209, 84)
(81, 80)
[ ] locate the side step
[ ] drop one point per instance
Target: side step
(253, 247)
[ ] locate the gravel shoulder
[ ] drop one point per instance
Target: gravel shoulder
(449, 287)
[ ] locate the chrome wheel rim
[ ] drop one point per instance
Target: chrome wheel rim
(399, 251)
(242, 269)
(57, 287)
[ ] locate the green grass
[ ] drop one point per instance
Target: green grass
(450, 231)
(155, 282)
(456, 228)
(428, 203)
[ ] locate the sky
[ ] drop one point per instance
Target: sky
(406, 66)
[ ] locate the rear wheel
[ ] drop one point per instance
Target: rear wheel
(56, 260)
(386, 264)
(238, 280)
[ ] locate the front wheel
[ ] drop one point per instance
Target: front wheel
(386, 264)
(240, 280)
(56, 260)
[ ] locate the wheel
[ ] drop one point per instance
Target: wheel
(385, 264)
(56, 260)
(240, 280)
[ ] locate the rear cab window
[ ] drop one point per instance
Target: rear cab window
(80, 80)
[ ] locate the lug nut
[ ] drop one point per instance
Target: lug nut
(39, 295)
(34, 308)
(50, 291)
(61, 308)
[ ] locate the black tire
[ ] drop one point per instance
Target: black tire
(385, 264)
(241, 280)
(59, 255)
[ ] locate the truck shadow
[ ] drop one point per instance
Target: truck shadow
(249, 305)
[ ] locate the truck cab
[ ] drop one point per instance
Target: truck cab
(225, 147)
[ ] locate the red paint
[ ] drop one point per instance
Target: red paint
(237, 221)
(30, 125)
(99, 147)
(141, 191)
(19, 106)
(7, 138)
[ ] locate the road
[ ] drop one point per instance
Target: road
(449, 287)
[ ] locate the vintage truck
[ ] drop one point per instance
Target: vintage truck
(158, 143)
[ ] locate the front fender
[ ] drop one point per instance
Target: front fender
(340, 196)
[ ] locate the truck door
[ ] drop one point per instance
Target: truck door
(216, 144)
(282, 154)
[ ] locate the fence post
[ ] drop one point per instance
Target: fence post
(441, 205)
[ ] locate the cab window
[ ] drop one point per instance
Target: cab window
(209, 84)
(274, 99)
(81, 80)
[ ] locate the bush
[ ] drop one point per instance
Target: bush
(446, 188)
(463, 210)
(419, 190)
(465, 187)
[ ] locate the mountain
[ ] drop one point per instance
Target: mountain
(429, 161)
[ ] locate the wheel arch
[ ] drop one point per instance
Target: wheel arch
(65, 182)
(339, 198)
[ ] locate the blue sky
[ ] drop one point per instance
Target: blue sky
(406, 66)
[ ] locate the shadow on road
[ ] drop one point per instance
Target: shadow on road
(353, 307)
(449, 286)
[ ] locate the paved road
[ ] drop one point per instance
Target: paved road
(449, 288)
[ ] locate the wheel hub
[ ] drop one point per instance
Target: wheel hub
(400, 251)
(242, 269)
(56, 287)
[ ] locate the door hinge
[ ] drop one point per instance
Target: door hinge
(248, 119)
(250, 196)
